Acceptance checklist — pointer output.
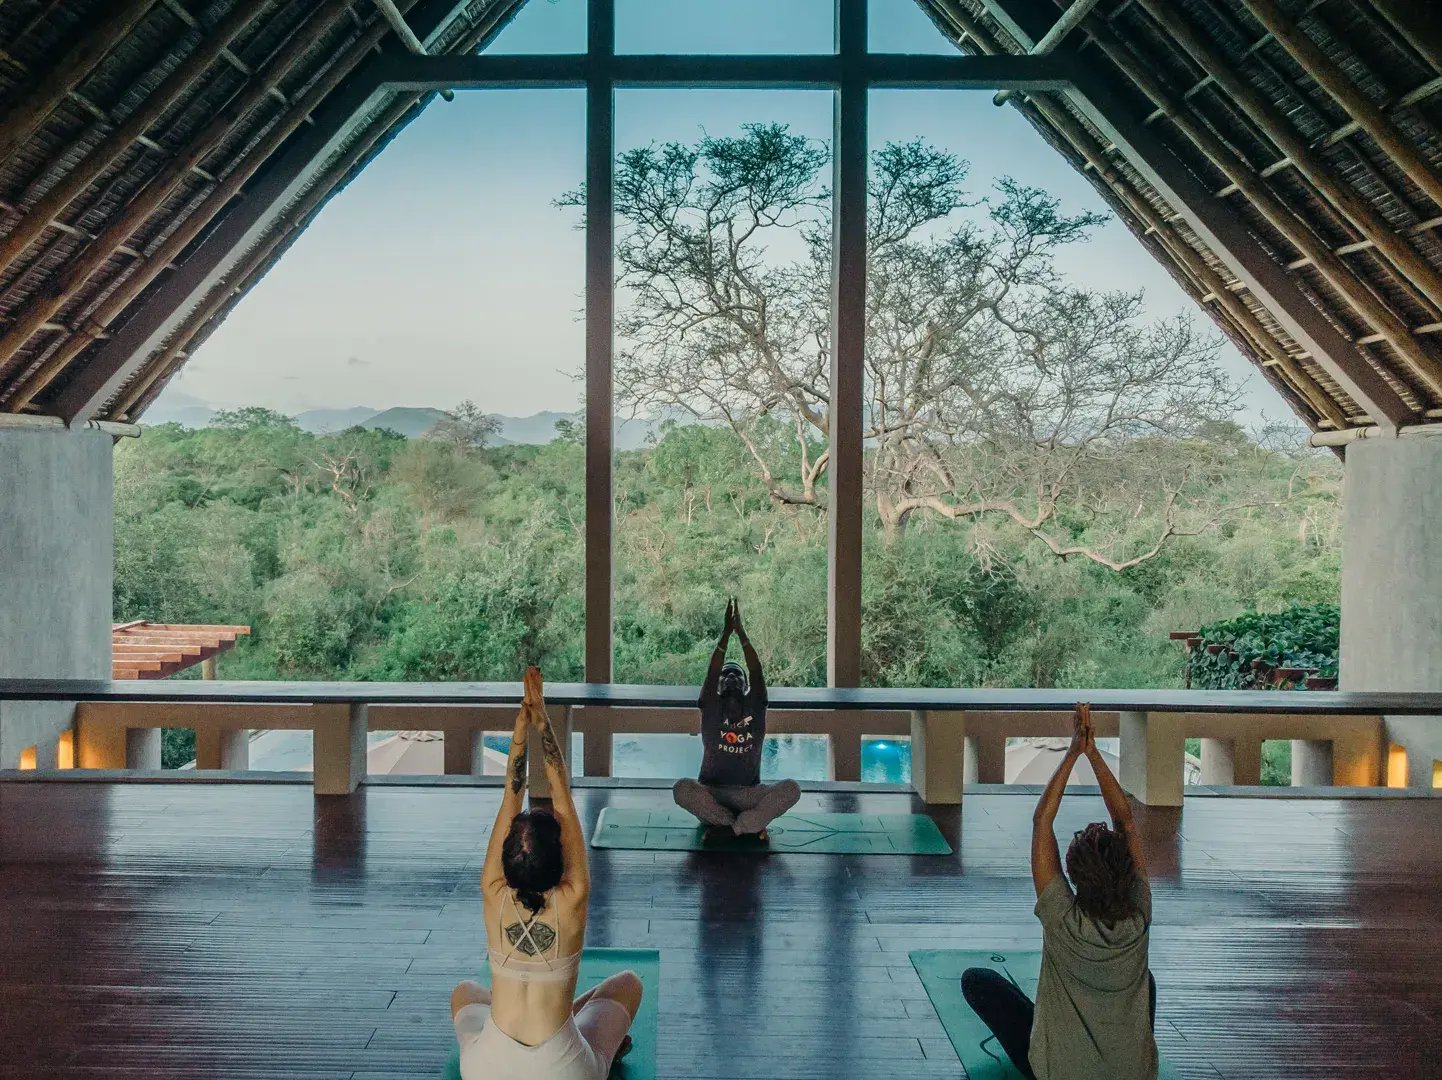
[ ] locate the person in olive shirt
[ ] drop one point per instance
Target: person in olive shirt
(729, 796)
(1096, 1000)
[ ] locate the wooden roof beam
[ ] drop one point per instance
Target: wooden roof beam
(1410, 19)
(1344, 199)
(1218, 227)
(392, 15)
(23, 117)
(244, 224)
(1307, 396)
(1369, 115)
(48, 208)
(150, 198)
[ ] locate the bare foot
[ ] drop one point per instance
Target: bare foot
(626, 1045)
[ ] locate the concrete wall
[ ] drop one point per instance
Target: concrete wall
(1392, 583)
(56, 574)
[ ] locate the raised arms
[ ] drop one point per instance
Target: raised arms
(573, 840)
(511, 798)
(718, 658)
(754, 673)
(1116, 799)
(1045, 857)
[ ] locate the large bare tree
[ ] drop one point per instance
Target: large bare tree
(995, 386)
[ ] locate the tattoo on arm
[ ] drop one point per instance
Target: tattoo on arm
(550, 748)
(518, 769)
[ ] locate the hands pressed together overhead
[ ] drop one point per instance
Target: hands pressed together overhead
(1083, 738)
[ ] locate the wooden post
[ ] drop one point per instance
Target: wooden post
(340, 748)
(1151, 766)
(938, 741)
(596, 742)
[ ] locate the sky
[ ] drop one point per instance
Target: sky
(446, 272)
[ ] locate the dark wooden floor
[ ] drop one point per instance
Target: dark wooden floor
(237, 931)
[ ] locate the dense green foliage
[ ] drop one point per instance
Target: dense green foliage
(1243, 652)
(363, 555)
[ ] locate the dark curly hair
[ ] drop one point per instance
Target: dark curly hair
(531, 857)
(1103, 876)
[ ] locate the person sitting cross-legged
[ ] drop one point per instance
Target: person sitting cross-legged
(535, 888)
(729, 796)
(1096, 1001)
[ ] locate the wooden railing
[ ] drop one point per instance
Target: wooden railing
(957, 736)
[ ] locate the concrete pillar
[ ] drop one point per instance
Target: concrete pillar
(56, 573)
(843, 751)
(217, 749)
(340, 749)
(986, 758)
(1152, 768)
(1219, 764)
(1311, 763)
(142, 748)
(938, 742)
(1392, 582)
(464, 751)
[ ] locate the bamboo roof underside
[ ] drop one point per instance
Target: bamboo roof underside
(134, 133)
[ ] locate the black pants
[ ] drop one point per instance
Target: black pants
(1008, 1012)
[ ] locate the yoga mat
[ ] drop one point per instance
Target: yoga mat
(940, 973)
(834, 834)
(598, 964)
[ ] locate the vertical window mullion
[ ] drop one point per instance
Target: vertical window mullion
(848, 333)
(600, 336)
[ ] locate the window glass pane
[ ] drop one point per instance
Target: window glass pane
(1035, 382)
(723, 307)
(324, 481)
(901, 26)
(543, 26)
(735, 27)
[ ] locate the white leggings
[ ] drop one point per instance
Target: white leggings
(582, 1050)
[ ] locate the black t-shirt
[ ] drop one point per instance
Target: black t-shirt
(731, 755)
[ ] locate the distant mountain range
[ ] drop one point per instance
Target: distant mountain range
(177, 407)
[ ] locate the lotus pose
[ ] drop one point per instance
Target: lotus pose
(1096, 1000)
(529, 1025)
(729, 796)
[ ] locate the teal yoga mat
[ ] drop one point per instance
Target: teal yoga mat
(834, 834)
(940, 973)
(597, 964)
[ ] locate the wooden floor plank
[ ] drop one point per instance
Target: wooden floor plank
(177, 931)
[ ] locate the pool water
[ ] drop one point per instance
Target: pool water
(798, 757)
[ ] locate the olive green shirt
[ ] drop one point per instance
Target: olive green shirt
(1093, 1001)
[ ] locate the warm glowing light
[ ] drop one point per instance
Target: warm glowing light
(1396, 766)
(1436, 774)
(28, 756)
(65, 750)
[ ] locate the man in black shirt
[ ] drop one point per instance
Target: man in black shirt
(729, 794)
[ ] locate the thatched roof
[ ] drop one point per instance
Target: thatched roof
(138, 137)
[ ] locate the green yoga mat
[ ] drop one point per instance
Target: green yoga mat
(833, 834)
(981, 1056)
(598, 964)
